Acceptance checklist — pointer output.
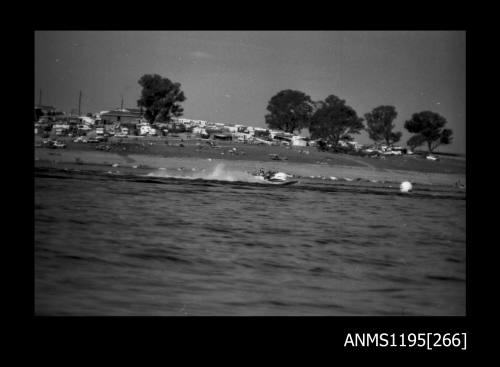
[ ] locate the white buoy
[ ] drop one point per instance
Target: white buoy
(405, 186)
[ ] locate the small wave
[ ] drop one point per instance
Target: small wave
(319, 270)
(385, 290)
(158, 257)
(445, 278)
(279, 303)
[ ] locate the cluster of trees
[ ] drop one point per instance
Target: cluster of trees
(332, 120)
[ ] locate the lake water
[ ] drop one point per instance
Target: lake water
(132, 244)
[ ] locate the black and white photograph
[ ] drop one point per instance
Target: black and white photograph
(249, 173)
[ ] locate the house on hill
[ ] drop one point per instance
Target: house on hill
(46, 111)
(126, 115)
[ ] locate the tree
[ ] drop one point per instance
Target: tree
(429, 129)
(289, 110)
(379, 125)
(333, 120)
(160, 98)
(415, 141)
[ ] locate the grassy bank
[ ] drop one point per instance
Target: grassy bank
(234, 151)
(155, 154)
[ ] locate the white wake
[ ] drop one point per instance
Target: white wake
(219, 173)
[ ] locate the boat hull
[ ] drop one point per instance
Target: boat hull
(282, 183)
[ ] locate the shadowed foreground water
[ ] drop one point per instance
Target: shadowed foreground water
(128, 245)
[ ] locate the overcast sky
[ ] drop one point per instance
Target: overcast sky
(230, 76)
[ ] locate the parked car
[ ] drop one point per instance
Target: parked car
(81, 139)
(392, 152)
(48, 143)
(59, 144)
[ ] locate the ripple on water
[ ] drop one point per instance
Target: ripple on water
(127, 245)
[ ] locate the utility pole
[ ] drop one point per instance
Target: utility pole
(122, 101)
(40, 98)
(79, 103)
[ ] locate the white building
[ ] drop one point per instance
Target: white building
(200, 123)
(273, 133)
(299, 141)
(61, 126)
(355, 145)
(87, 120)
(60, 129)
(199, 130)
(146, 129)
(231, 129)
(243, 136)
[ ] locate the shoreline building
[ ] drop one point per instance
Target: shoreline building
(125, 115)
(50, 113)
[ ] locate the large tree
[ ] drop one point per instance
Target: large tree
(334, 120)
(160, 98)
(429, 128)
(415, 141)
(290, 110)
(379, 124)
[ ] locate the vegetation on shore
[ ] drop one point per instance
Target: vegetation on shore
(289, 110)
(332, 120)
(428, 128)
(160, 98)
(380, 125)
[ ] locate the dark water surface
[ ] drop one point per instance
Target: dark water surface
(128, 245)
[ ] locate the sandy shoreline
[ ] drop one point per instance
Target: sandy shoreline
(61, 157)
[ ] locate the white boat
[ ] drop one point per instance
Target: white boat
(279, 178)
(279, 182)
